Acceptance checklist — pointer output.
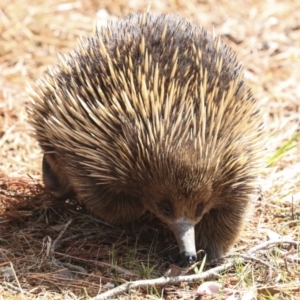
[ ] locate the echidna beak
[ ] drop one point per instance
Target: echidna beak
(185, 234)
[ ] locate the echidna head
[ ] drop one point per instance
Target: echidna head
(179, 195)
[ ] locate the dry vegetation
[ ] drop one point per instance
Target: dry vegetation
(89, 257)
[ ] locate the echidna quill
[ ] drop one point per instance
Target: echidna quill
(152, 113)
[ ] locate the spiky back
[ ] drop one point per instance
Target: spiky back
(145, 95)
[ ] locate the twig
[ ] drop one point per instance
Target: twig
(52, 251)
(189, 278)
(247, 257)
(271, 243)
(53, 246)
(79, 235)
(17, 280)
(163, 281)
(71, 267)
(100, 263)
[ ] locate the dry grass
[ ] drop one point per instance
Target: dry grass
(266, 36)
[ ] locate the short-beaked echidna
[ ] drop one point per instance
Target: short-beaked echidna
(152, 113)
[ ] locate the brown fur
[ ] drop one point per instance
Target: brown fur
(153, 114)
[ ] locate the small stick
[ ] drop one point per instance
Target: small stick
(271, 243)
(189, 278)
(53, 246)
(17, 280)
(163, 281)
(248, 257)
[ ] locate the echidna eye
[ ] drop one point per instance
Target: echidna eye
(166, 208)
(199, 210)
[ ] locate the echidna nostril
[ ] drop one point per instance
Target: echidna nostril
(189, 257)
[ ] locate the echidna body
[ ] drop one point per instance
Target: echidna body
(153, 114)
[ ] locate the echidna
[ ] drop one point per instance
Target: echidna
(152, 113)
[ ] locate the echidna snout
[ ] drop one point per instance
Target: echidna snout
(185, 235)
(152, 113)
